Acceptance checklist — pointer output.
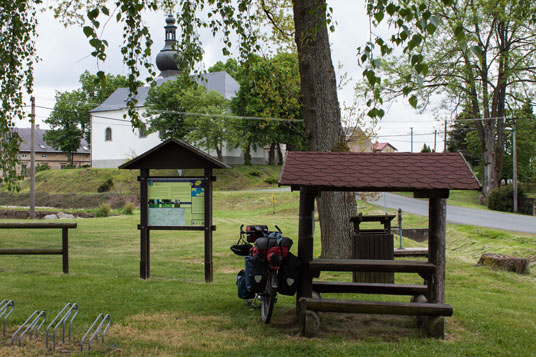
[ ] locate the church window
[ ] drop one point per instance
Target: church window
(108, 134)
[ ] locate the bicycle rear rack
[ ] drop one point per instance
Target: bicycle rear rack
(65, 313)
(102, 318)
(37, 315)
(6, 309)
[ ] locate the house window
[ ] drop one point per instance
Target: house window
(108, 134)
(44, 156)
(142, 133)
(24, 156)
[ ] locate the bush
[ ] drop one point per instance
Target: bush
(271, 180)
(69, 166)
(128, 208)
(255, 173)
(103, 210)
(502, 199)
(42, 167)
(106, 186)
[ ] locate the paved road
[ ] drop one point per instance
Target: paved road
(476, 217)
(455, 214)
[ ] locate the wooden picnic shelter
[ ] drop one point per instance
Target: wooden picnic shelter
(427, 175)
(174, 154)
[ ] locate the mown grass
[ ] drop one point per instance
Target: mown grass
(177, 313)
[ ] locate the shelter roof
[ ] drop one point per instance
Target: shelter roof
(356, 171)
(174, 154)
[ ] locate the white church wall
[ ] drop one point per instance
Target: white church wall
(125, 143)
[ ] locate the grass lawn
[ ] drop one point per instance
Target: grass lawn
(177, 313)
(461, 198)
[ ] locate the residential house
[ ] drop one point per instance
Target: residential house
(384, 147)
(46, 154)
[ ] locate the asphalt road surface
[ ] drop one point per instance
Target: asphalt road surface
(455, 214)
(462, 215)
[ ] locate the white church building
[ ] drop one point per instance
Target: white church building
(113, 139)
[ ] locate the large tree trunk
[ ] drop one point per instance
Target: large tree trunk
(323, 119)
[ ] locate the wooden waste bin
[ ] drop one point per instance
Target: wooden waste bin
(377, 244)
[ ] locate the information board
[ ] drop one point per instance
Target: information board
(176, 201)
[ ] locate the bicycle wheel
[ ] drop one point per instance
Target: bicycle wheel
(269, 297)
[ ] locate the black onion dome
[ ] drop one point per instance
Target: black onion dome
(167, 58)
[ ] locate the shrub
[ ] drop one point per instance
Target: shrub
(255, 173)
(103, 210)
(69, 166)
(106, 185)
(128, 208)
(42, 167)
(502, 199)
(271, 180)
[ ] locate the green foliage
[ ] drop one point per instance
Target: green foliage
(42, 167)
(255, 173)
(106, 185)
(271, 180)
(502, 199)
(426, 148)
(18, 56)
(128, 208)
(231, 66)
(269, 88)
(103, 210)
(69, 121)
(182, 109)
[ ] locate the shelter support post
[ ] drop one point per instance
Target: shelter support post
(436, 255)
(208, 227)
(305, 242)
(144, 230)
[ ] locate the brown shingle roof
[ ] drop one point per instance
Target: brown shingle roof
(378, 171)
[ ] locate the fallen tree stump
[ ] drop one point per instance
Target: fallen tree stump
(504, 262)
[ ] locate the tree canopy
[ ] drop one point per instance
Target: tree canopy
(69, 120)
(481, 58)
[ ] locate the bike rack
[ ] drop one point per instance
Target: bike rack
(6, 309)
(31, 325)
(103, 319)
(65, 313)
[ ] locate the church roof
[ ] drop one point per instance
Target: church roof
(220, 82)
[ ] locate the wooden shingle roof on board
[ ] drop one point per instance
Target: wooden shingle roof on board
(174, 154)
(332, 171)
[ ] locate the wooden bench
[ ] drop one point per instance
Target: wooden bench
(424, 269)
(64, 251)
(433, 311)
(369, 288)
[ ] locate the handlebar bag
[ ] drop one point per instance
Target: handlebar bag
(254, 232)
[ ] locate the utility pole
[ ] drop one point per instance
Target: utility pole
(411, 139)
(514, 159)
(32, 161)
(435, 139)
(445, 140)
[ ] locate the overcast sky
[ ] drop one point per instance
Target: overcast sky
(65, 54)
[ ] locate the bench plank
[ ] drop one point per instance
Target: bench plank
(369, 288)
(30, 251)
(411, 252)
(376, 307)
(400, 266)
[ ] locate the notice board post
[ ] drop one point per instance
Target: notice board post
(175, 202)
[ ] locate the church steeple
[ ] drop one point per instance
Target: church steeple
(167, 58)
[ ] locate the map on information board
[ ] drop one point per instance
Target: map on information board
(176, 201)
